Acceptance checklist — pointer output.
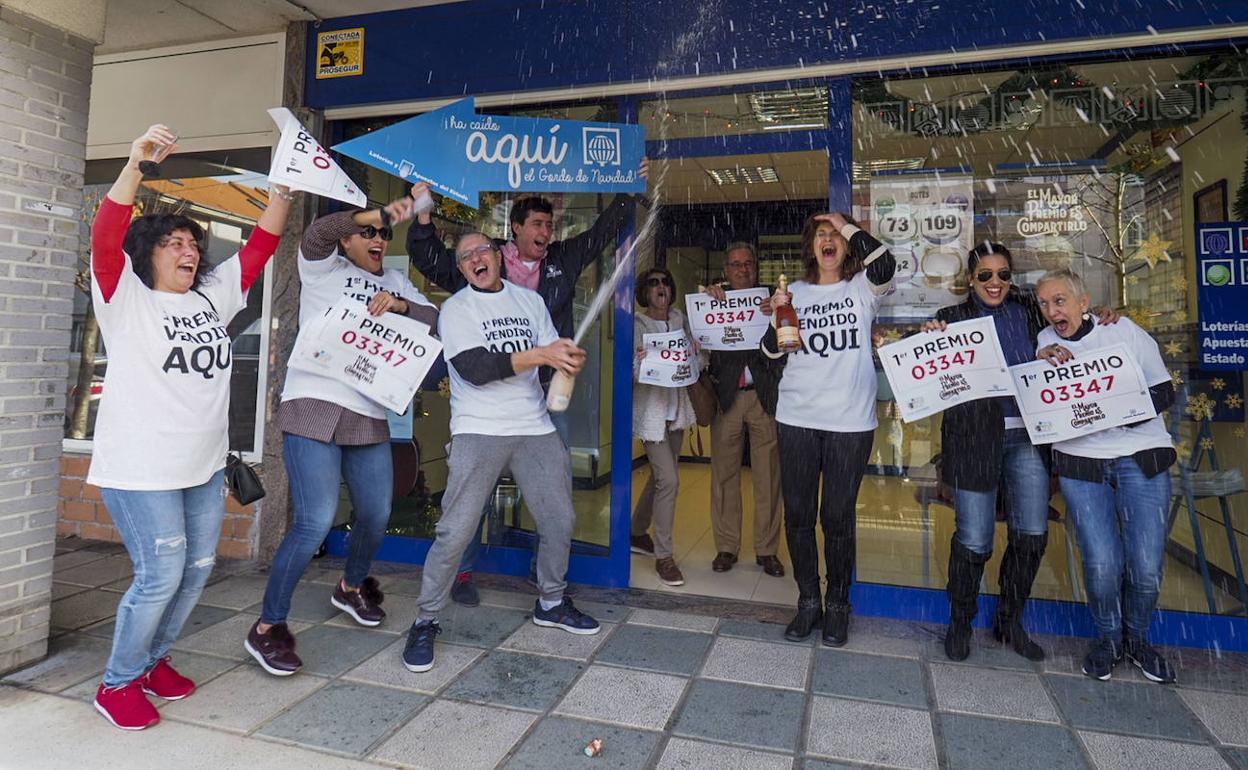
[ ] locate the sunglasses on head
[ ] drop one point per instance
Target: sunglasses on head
(656, 280)
(369, 232)
(984, 276)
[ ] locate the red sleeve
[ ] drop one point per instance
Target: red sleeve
(108, 232)
(255, 254)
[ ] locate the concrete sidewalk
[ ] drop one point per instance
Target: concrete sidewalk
(670, 682)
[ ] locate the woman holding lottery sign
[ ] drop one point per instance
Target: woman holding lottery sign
(332, 433)
(1116, 484)
(826, 410)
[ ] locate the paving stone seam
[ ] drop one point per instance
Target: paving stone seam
(803, 730)
(1069, 727)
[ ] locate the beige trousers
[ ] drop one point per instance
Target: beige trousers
(657, 503)
(727, 437)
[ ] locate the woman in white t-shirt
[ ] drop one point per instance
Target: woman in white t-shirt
(1116, 484)
(660, 417)
(826, 411)
(161, 433)
(333, 433)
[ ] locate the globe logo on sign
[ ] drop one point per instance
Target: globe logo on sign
(601, 146)
(1215, 242)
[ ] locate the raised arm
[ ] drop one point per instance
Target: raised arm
(878, 260)
(266, 235)
(426, 252)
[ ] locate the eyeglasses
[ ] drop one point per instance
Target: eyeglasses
(740, 265)
(984, 276)
(369, 232)
(656, 280)
(479, 251)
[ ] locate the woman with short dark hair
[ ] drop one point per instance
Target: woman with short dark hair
(1116, 484)
(161, 434)
(660, 417)
(826, 411)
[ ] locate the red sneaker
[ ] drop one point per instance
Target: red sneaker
(126, 706)
(163, 682)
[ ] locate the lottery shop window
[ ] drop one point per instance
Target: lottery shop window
(225, 193)
(1106, 167)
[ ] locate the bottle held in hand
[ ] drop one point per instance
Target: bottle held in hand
(788, 334)
(559, 395)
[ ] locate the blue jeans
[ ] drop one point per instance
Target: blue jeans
(172, 539)
(469, 559)
(316, 470)
(1027, 489)
(1122, 524)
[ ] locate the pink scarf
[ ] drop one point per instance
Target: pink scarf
(520, 271)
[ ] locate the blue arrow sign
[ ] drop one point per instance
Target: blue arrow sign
(459, 153)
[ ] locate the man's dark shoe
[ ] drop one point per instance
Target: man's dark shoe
(565, 616)
(771, 565)
(274, 650)
(723, 561)
(418, 653)
(836, 625)
(641, 544)
(809, 614)
(464, 591)
(357, 604)
(1148, 660)
(1101, 659)
(958, 639)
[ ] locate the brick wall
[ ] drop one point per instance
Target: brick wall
(45, 79)
(84, 514)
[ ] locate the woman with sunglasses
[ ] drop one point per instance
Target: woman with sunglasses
(660, 417)
(826, 411)
(984, 445)
(332, 433)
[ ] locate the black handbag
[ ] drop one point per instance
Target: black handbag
(243, 480)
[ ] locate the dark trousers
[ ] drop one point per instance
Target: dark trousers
(840, 459)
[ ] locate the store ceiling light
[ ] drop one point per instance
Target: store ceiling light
(743, 175)
(864, 169)
(790, 108)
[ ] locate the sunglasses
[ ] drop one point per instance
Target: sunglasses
(984, 276)
(656, 280)
(369, 232)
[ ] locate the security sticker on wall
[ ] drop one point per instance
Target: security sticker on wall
(340, 53)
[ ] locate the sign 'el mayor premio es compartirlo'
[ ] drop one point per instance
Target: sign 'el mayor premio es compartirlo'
(1222, 295)
(932, 371)
(384, 358)
(1100, 389)
(735, 323)
(670, 361)
(460, 153)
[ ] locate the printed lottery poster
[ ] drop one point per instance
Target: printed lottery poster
(385, 357)
(932, 371)
(927, 222)
(737, 323)
(669, 362)
(1100, 389)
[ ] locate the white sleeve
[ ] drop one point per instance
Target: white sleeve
(456, 329)
(224, 288)
(312, 270)
(1147, 355)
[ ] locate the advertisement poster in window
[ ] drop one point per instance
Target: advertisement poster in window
(927, 221)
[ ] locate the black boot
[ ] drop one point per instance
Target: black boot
(966, 568)
(836, 624)
(1018, 571)
(809, 613)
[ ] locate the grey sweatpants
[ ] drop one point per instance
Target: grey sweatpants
(542, 468)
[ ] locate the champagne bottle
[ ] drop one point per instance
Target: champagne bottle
(559, 395)
(788, 335)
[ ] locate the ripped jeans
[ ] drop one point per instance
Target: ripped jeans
(172, 539)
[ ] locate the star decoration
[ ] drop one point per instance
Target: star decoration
(1174, 348)
(1234, 401)
(1176, 377)
(444, 387)
(1183, 451)
(1153, 251)
(1180, 283)
(1200, 407)
(1133, 280)
(1140, 316)
(890, 336)
(1217, 383)
(1239, 432)
(1206, 444)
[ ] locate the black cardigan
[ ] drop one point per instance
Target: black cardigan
(972, 434)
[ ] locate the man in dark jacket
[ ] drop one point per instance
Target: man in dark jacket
(746, 386)
(532, 260)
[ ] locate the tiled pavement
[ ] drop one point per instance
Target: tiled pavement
(668, 683)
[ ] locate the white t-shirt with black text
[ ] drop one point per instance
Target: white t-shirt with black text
(830, 383)
(511, 320)
(164, 412)
(322, 283)
(1122, 441)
